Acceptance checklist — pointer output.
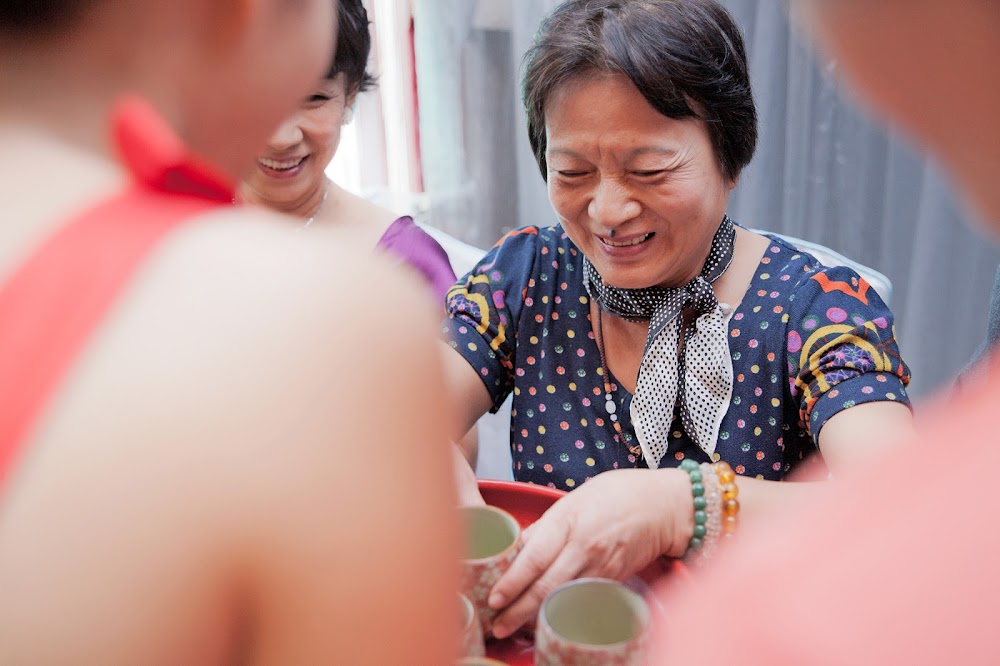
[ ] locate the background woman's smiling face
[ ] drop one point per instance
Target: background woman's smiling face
(291, 169)
(615, 163)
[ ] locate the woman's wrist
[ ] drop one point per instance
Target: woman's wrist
(715, 514)
(678, 527)
(713, 511)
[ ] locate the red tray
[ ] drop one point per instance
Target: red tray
(527, 502)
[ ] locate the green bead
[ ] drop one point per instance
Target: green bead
(695, 477)
(700, 531)
(695, 543)
(700, 517)
(688, 465)
(700, 503)
(697, 489)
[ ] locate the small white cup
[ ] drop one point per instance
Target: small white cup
(493, 540)
(472, 644)
(592, 622)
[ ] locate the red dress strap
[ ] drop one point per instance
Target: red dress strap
(50, 306)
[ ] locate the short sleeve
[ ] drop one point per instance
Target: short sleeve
(419, 250)
(842, 348)
(484, 306)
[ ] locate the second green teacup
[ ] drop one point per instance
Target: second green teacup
(472, 644)
(493, 540)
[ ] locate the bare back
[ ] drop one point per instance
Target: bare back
(215, 477)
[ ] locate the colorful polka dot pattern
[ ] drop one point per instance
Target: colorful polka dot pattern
(806, 342)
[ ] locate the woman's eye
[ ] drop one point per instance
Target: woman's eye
(571, 174)
(317, 99)
(649, 173)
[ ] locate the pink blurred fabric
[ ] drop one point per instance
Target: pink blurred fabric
(898, 566)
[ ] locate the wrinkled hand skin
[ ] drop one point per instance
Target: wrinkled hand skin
(611, 527)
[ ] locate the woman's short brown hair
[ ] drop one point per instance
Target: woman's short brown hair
(686, 57)
(354, 43)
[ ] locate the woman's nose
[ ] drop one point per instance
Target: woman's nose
(612, 204)
(287, 136)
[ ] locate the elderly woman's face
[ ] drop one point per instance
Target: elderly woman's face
(615, 164)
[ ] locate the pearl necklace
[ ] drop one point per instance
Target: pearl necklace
(609, 401)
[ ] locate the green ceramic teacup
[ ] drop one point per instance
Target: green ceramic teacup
(472, 644)
(592, 622)
(493, 540)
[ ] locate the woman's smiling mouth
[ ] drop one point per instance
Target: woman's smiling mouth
(627, 242)
(280, 165)
(281, 169)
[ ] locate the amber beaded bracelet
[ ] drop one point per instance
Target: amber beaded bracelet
(730, 491)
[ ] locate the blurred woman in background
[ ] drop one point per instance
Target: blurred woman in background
(290, 175)
(184, 384)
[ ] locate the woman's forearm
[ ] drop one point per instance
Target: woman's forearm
(465, 477)
(761, 500)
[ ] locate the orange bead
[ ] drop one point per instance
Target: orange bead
(724, 472)
(730, 492)
(729, 525)
(730, 507)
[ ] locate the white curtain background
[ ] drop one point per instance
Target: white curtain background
(378, 156)
(824, 170)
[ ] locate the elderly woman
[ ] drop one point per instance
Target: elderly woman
(290, 174)
(647, 331)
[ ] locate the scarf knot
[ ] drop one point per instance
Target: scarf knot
(701, 377)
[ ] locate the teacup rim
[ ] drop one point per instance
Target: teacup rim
(514, 544)
(647, 619)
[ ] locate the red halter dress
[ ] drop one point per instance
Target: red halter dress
(50, 305)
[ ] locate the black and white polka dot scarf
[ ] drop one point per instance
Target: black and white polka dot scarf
(701, 378)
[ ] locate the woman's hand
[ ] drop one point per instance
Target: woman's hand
(612, 526)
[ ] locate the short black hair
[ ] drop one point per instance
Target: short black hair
(354, 43)
(686, 57)
(39, 17)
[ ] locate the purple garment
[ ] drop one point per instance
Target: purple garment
(414, 246)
